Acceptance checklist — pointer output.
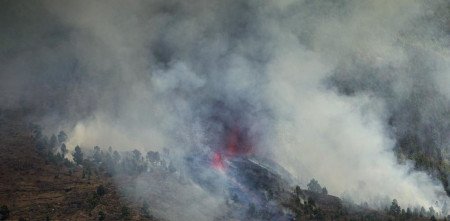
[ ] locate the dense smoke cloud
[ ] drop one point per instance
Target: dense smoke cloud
(328, 89)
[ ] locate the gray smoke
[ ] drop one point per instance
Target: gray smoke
(328, 89)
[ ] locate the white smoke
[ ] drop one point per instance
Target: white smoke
(152, 74)
(342, 141)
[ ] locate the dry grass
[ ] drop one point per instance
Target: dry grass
(34, 189)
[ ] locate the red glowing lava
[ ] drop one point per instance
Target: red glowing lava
(217, 161)
(236, 144)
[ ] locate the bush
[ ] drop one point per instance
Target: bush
(101, 190)
(125, 212)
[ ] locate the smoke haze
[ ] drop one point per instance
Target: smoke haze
(327, 89)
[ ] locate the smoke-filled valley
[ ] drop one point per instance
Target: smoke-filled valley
(226, 110)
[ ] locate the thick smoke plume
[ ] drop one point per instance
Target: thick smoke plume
(333, 90)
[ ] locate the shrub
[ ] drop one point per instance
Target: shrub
(101, 190)
(125, 212)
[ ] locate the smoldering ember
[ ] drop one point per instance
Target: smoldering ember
(200, 110)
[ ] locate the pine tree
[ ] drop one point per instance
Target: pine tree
(62, 137)
(78, 155)
(97, 154)
(314, 186)
(145, 212)
(53, 143)
(63, 149)
(409, 213)
(395, 208)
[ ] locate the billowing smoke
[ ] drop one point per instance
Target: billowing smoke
(344, 91)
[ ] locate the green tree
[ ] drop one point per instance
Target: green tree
(314, 186)
(41, 143)
(97, 154)
(63, 150)
(422, 212)
(62, 137)
(78, 155)
(116, 157)
(87, 171)
(297, 191)
(153, 157)
(145, 212)
(136, 155)
(395, 208)
(409, 213)
(172, 168)
(53, 143)
(431, 212)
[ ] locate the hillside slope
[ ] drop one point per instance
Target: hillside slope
(33, 188)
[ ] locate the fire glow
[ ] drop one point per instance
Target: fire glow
(217, 161)
(237, 144)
